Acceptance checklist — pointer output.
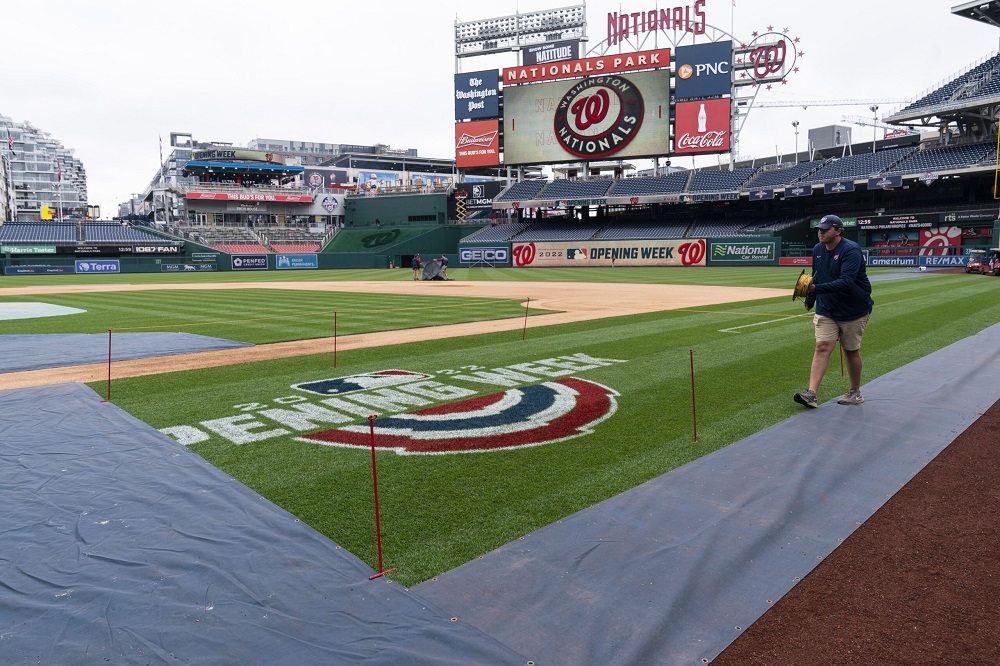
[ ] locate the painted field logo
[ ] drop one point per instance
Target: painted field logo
(529, 416)
(743, 252)
(368, 380)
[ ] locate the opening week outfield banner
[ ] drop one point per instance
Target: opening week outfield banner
(679, 252)
(676, 252)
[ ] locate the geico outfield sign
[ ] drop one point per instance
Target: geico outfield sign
(730, 252)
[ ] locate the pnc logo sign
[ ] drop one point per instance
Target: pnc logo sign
(704, 70)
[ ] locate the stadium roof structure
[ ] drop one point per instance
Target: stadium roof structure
(244, 166)
(984, 12)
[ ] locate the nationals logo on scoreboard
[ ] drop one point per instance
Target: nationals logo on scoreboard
(598, 116)
(702, 127)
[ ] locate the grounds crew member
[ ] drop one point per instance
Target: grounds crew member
(842, 294)
(416, 265)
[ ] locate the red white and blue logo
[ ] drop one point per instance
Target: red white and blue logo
(529, 416)
(367, 380)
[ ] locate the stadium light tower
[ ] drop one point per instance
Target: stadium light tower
(795, 124)
(874, 110)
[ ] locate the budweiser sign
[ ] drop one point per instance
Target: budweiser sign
(486, 139)
(477, 143)
(702, 126)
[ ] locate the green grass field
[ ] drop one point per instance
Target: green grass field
(438, 511)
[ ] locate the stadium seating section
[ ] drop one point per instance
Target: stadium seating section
(721, 180)
(784, 176)
(497, 233)
(943, 159)
(523, 191)
(980, 81)
(38, 232)
(557, 231)
(673, 183)
(563, 189)
(643, 231)
(853, 167)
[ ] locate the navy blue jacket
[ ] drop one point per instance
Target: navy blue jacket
(843, 291)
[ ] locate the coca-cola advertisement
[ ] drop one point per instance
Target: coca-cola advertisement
(477, 143)
(702, 126)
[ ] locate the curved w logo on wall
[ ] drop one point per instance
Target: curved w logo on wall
(529, 416)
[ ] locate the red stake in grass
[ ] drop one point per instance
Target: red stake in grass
(378, 529)
(694, 411)
(109, 367)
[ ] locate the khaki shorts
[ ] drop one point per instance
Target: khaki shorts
(848, 332)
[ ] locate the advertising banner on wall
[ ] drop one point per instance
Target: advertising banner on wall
(885, 182)
(679, 252)
(608, 116)
(915, 221)
(838, 187)
(496, 256)
(477, 95)
(703, 127)
(480, 195)
(98, 266)
(295, 261)
(704, 70)
(249, 262)
(250, 196)
(554, 52)
(477, 143)
(742, 252)
(324, 177)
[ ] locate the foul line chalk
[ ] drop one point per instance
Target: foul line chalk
(759, 323)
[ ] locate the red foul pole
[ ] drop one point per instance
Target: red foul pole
(524, 331)
(378, 527)
(109, 366)
(694, 410)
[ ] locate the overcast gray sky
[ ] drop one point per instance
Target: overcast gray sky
(108, 77)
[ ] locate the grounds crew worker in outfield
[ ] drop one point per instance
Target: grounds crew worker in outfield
(843, 298)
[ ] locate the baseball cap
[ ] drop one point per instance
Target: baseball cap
(830, 222)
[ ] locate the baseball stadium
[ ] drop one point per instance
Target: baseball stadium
(389, 414)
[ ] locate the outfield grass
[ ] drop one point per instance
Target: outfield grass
(258, 315)
(439, 511)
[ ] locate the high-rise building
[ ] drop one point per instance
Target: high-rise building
(45, 176)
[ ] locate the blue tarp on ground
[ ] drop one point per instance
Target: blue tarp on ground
(57, 350)
(672, 571)
(120, 546)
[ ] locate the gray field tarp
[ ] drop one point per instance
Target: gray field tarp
(672, 571)
(56, 350)
(119, 546)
